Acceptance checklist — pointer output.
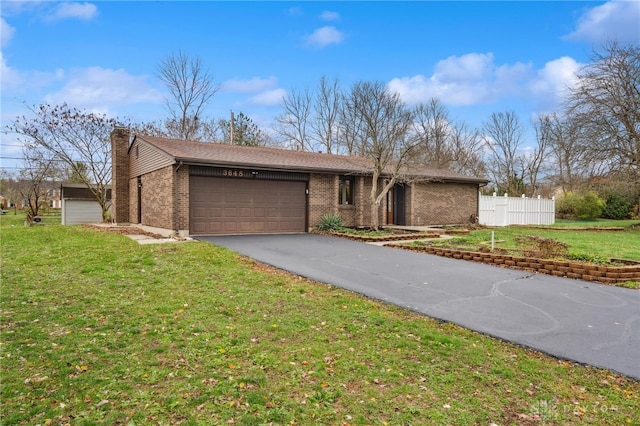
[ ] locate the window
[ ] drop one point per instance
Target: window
(345, 190)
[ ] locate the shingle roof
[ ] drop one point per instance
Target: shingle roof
(225, 155)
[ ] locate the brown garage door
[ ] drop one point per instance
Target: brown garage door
(245, 206)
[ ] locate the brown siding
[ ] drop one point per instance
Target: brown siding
(145, 158)
(442, 203)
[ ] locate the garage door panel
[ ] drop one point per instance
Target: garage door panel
(234, 206)
(199, 212)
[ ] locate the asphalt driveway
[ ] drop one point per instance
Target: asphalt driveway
(582, 321)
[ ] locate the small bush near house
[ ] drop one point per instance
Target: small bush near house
(331, 222)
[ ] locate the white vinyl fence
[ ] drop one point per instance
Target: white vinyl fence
(503, 211)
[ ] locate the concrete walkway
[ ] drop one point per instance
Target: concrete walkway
(581, 321)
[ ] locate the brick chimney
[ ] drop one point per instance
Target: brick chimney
(120, 175)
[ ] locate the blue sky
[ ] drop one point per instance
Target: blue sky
(476, 57)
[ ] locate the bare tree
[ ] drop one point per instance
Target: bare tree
(207, 131)
(606, 106)
(327, 108)
(445, 144)
(432, 127)
(534, 160)
(502, 134)
(80, 140)
(39, 168)
(467, 147)
(383, 138)
(562, 136)
(293, 123)
(191, 87)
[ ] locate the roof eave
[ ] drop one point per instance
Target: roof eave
(244, 165)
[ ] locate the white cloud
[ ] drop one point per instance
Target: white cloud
(556, 77)
(65, 10)
(472, 66)
(475, 79)
(324, 36)
(329, 16)
(9, 77)
(6, 32)
(100, 89)
(614, 20)
(551, 85)
(295, 11)
(265, 90)
(14, 81)
(463, 80)
(269, 97)
(253, 85)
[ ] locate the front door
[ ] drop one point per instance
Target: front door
(399, 205)
(390, 207)
(396, 205)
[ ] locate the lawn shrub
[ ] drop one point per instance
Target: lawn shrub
(588, 206)
(567, 205)
(618, 207)
(331, 222)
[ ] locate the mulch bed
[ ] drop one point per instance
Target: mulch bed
(378, 238)
(123, 230)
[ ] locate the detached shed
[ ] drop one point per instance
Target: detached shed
(79, 205)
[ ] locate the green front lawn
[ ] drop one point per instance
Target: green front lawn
(598, 246)
(96, 329)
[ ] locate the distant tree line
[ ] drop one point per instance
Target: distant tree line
(591, 144)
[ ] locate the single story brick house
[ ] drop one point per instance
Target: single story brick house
(196, 188)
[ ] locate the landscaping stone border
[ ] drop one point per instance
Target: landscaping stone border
(559, 268)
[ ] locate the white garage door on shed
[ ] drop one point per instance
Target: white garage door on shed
(76, 212)
(79, 204)
(246, 206)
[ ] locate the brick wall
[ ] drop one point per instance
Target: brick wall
(120, 175)
(133, 200)
(365, 202)
(182, 199)
(323, 197)
(158, 198)
(436, 203)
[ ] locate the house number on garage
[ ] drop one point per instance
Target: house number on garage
(232, 172)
